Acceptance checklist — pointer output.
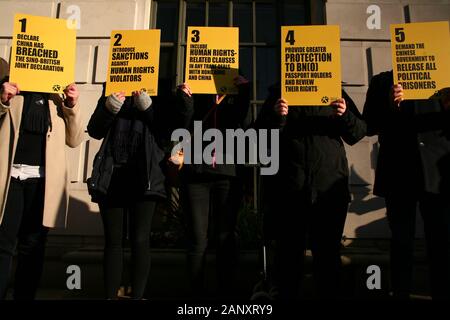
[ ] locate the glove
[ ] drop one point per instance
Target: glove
(142, 101)
(113, 104)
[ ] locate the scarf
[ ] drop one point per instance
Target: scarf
(35, 113)
(128, 134)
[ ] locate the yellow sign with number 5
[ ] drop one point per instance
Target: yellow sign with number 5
(421, 58)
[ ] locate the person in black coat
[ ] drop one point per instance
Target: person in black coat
(310, 193)
(413, 168)
(211, 186)
(126, 178)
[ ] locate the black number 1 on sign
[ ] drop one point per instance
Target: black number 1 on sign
(23, 21)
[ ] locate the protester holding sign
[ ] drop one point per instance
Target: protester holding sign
(34, 129)
(205, 186)
(126, 177)
(311, 191)
(413, 168)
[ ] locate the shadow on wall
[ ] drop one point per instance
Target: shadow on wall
(82, 219)
(363, 201)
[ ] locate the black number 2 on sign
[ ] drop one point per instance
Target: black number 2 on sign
(118, 37)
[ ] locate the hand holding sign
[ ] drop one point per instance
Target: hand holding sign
(339, 106)
(142, 100)
(72, 94)
(396, 95)
(186, 89)
(240, 80)
(281, 107)
(9, 90)
(115, 101)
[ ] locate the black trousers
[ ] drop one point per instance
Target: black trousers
(401, 214)
(205, 198)
(140, 216)
(124, 205)
(319, 225)
(22, 228)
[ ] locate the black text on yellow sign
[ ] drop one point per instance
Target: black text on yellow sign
(310, 65)
(421, 58)
(43, 54)
(133, 61)
(212, 59)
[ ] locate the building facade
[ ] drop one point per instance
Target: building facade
(365, 51)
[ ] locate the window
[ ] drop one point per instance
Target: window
(259, 24)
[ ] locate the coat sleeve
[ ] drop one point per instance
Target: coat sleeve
(101, 120)
(380, 115)
(3, 109)
(353, 128)
(184, 110)
(72, 120)
(237, 113)
(74, 127)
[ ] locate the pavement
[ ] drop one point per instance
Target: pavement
(168, 280)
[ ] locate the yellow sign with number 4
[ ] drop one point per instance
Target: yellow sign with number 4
(310, 65)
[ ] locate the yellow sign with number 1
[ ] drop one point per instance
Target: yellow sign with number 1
(43, 54)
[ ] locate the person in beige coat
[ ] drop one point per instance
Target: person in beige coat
(34, 130)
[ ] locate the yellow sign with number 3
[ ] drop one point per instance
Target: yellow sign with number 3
(212, 59)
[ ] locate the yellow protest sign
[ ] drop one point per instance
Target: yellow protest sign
(43, 54)
(421, 58)
(310, 65)
(133, 61)
(212, 59)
